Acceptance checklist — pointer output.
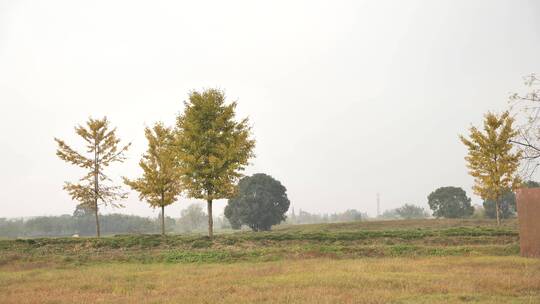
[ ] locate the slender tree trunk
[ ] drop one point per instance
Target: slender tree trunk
(162, 220)
(96, 187)
(497, 212)
(97, 221)
(210, 220)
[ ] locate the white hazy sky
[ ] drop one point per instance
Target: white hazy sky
(346, 98)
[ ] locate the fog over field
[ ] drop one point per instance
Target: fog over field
(346, 99)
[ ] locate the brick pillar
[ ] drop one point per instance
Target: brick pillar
(528, 208)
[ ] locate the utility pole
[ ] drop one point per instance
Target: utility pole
(378, 205)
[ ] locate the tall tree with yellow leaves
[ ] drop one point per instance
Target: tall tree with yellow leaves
(490, 158)
(213, 148)
(160, 183)
(103, 149)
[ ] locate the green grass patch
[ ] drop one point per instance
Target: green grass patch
(197, 257)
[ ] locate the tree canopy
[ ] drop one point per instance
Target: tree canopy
(160, 183)
(260, 203)
(450, 202)
(213, 147)
(490, 158)
(103, 149)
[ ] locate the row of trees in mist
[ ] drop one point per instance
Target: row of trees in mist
(192, 219)
(202, 157)
(304, 217)
(68, 225)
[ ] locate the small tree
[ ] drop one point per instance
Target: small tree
(160, 183)
(409, 211)
(490, 158)
(103, 149)
(213, 148)
(260, 203)
(450, 202)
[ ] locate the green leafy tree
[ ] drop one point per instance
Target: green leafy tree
(160, 182)
(490, 158)
(213, 148)
(233, 217)
(103, 149)
(409, 211)
(260, 203)
(450, 202)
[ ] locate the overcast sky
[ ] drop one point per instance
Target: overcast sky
(346, 98)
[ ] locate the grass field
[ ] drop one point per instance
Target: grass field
(428, 261)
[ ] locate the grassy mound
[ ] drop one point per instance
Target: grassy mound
(337, 241)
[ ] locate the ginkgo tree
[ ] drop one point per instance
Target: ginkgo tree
(213, 147)
(102, 149)
(491, 159)
(160, 183)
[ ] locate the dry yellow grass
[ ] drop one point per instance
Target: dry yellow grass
(380, 280)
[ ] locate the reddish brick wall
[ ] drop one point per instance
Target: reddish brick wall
(528, 207)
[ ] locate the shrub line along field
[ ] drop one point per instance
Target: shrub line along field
(421, 261)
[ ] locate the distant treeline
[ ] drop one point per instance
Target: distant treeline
(192, 219)
(304, 217)
(67, 225)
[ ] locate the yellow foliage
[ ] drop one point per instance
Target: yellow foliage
(102, 148)
(490, 158)
(160, 183)
(213, 148)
